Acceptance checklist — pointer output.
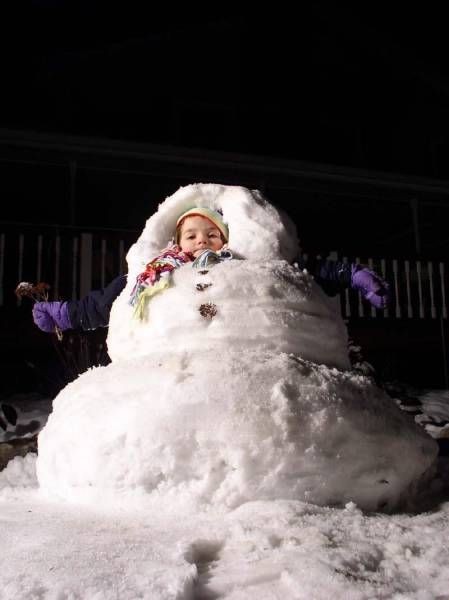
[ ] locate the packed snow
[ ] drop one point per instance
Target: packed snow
(229, 456)
(277, 549)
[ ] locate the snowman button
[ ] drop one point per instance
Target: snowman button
(202, 286)
(204, 272)
(208, 310)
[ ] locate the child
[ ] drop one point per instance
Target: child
(201, 236)
(198, 230)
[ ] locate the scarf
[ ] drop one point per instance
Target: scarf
(157, 274)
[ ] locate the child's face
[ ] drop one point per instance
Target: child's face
(199, 234)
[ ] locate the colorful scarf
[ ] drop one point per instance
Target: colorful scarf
(157, 274)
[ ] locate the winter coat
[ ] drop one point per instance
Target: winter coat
(93, 310)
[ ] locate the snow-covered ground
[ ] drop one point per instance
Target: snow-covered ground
(264, 550)
(228, 452)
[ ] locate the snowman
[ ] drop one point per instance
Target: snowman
(233, 384)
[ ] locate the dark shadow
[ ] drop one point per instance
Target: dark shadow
(203, 554)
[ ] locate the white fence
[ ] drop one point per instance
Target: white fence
(419, 290)
(73, 264)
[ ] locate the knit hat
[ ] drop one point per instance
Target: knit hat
(211, 215)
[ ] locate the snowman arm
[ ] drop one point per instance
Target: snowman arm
(93, 310)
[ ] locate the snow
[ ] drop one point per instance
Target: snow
(234, 457)
(262, 549)
(196, 437)
(435, 416)
(268, 306)
(257, 230)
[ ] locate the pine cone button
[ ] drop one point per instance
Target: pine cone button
(208, 310)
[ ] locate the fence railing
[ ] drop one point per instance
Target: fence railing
(418, 290)
(73, 263)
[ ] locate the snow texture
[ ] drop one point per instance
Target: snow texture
(254, 404)
(276, 549)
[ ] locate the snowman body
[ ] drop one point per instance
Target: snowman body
(235, 386)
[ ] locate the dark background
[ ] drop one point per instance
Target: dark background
(326, 87)
(362, 87)
(339, 113)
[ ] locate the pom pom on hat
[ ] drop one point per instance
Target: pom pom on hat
(207, 213)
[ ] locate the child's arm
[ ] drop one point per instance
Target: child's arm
(334, 276)
(90, 312)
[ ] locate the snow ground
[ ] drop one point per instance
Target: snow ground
(265, 550)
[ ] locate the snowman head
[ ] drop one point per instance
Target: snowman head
(257, 230)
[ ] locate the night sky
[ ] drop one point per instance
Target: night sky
(362, 88)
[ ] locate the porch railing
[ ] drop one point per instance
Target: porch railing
(72, 263)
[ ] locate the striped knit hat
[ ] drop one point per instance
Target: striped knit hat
(211, 215)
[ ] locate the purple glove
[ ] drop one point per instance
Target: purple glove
(372, 287)
(48, 315)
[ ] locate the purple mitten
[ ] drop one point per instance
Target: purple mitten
(372, 287)
(48, 315)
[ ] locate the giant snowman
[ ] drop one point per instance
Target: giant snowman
(235, 386)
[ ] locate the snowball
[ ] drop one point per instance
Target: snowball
(265, 305)
(231, 427)
(257, 230)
